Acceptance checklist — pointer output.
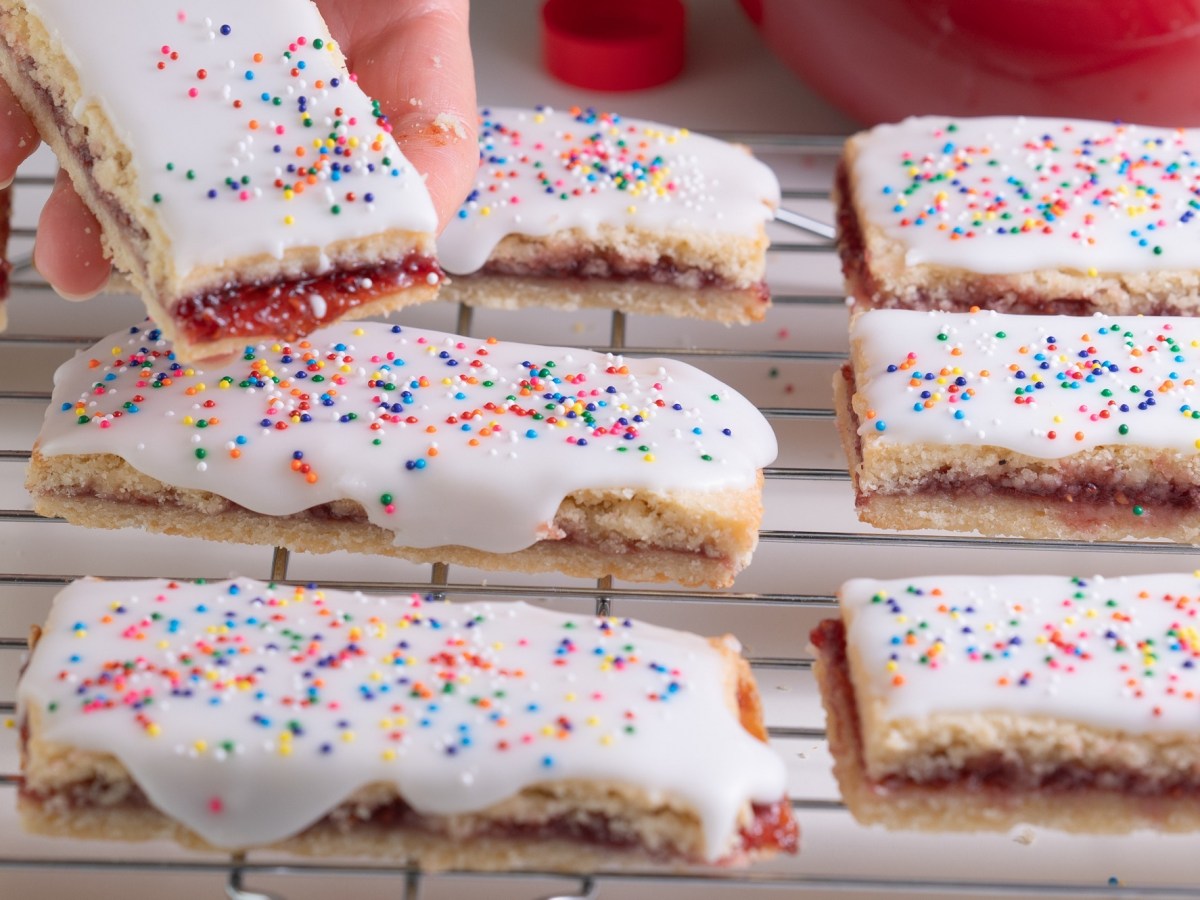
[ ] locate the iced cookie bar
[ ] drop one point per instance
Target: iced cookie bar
(244, 183)
(1022, 215)
(239, 715)
(375, 438)
(980, 703)
(578, 208)
(1070, 427)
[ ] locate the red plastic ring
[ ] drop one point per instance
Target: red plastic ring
(617, 45)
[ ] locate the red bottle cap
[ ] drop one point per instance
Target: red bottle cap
(614, 45)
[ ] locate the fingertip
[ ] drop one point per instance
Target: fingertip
(68, 252)
(18, 135)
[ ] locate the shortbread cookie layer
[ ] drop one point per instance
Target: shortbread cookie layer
(482, 736)
(578, 208)
(243, 181)
(1021, 215)
(980, 703)
(1031, 426)
(381, 439)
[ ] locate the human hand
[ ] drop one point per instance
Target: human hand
(414, 56)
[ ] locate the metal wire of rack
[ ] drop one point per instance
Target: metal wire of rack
(829, 553)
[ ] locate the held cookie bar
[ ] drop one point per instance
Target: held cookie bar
(1078, 427)
(238, 715)
(243, 181)
(1027, 215)
(432, 447)
(586, 209)
(979, 703)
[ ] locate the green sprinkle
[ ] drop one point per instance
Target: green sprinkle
(1137, 510)
(201, 453)
(1124, 429)
(385, 499)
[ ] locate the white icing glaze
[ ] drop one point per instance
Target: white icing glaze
(1006, 194)
(473, 447)
(543, 170)
(116, 50)
(1114, 653)
(251, 711)
(1104, 374)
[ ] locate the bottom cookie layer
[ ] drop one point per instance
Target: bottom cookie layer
(728, 305)
(692, 539)
(547, 830)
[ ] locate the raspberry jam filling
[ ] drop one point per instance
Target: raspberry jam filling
(289, 307)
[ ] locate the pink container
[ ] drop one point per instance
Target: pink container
(881, 60)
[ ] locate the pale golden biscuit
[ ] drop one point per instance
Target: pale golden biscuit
(577, 209)
(457, 751)
(1028, 426)
(243, 182)
(980, 703)
(1023, 215)
(404, 442)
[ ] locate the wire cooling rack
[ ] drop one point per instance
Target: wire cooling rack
(810, 543)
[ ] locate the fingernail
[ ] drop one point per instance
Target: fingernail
(75, 298)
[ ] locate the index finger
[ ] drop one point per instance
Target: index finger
(415, 58)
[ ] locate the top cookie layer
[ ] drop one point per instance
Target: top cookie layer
(1116, 653)
(1003, 195)
(1045, 386)
(246, 133)
(543, 171)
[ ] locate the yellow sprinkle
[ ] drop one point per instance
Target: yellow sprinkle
(547, 731)
(285, 749)
(485, 210)
(358, 332)
(570, 697)
(289, 220)
(10, 723)
(153, 729)
(1058, 419)
(347, 737)
(1092, 273)
(188, 420)
(593, 720)
(200, 746)
(649, 457)
(607, 740)
(631, 209)
(401, 721)
(388, 755)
